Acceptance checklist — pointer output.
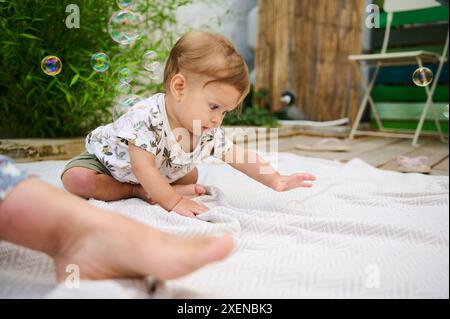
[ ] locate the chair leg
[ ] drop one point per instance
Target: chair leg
(361, 109)
(375, 114)
(362, 106)
(429, 102)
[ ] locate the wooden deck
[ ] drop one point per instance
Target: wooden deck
(380, 152)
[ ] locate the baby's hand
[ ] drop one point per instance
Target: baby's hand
(285, 183)
(189, 208)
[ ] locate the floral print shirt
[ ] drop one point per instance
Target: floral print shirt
(146, 125)
(10, 176)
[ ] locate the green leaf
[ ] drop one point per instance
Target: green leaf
(29, 36)
(10, 42)
(74, 79)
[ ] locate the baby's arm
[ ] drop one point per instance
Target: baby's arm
(252, 165)
(143, 167)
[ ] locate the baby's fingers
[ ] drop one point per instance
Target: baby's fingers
(189, 214)
(307, 176)
(201, 208)
(306, 185)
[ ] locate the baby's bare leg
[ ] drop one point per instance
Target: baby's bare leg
(87, 183)
(73, 232)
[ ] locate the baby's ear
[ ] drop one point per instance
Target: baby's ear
(177, 85)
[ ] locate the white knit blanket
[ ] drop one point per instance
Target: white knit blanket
(360, 232)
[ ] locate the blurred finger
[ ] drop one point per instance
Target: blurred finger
(190, 214)
(202, 209)
(307, 176)
(306, 185)
(199, 189)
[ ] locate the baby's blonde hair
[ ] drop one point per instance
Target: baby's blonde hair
(209, 54)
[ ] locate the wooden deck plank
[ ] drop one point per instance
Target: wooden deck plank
(441, 168)
(378, 157)
(358, 147)
(379, 152)
(30, 150)
(434, 149)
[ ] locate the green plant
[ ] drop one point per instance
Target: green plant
(257, 114)
(252, 116)
(33, 104)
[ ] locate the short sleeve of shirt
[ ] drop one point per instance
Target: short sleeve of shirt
(222, 143)
(141, 127)
(10, 176)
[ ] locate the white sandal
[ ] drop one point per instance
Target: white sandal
(413, 164)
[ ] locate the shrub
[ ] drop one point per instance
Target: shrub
(255, 111)
(33, 104)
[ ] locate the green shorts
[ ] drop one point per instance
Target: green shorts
(89, 161)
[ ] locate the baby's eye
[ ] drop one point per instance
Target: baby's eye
(213, 106)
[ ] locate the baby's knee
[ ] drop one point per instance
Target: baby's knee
(79, 181)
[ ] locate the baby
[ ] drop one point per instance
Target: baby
(150, 152)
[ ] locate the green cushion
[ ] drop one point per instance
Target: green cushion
(427, 15)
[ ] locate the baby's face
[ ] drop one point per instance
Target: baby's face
(207, 105)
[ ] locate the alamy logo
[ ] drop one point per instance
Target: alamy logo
(373, 17)
(372, 279)
(73, 19)
(73, 279)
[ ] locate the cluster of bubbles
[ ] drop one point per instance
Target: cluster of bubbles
(151, 64)
(51, 65)
(125, 27)
(125, 77)
(422, 76)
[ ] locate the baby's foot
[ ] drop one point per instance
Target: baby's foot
(139, 251)
(188, 191)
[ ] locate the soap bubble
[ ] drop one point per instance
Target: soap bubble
(100, 62)
(125, 75)
(128, 4)
(445, 111)
(124, 4)
(155, 71)
(124, 104)
(51, 65)
(422, 76)
(123, 88)
(148, 58)
(125, 26)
